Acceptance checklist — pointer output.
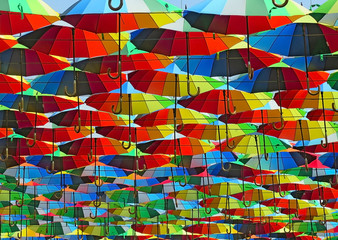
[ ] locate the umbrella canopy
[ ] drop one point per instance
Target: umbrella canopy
(216, 16)
(327, 13)
(241, 100)
(140, 103)
(24, 16)
(134, 15)
(59, 40)
(173, 43)
(278, 77)
(166, 116)
(163, 83)
(10, 84)
(142, 61)
(27, 62)
(88, 83)
(236, 58)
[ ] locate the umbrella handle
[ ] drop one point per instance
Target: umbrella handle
(250, 71)
(6, 156)
(189, 90)
(281, 124)
(77, 128)
(289, 231)
(323, 202)
(313, 93)
(138, 166)
(73, 94)
(244, 202)
(248, 236)
(334, 107)
(280, 191)
(97, 202)
(228, 105)
(93, 216)
(98, 182)
(58, 195)
(226, 169)
(119, 70)
(280, 5)
(324, 145)
(115, 8)
(132, 212)
(21, 105)
(185, 181)
(90, 155)
(52, 170)
(118, 110)
(34, 140)
(255, 182)
(129, 143)
(179, 129)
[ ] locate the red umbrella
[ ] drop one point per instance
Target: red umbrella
(321, 193)
(319, 148)
(16, 119)
(28, 62)
(39, 148)
(98, 146)
(184, 146)
(318, 115)
(100, 119)
(46, 134)
(11, 85)
(59, 40)
(173, 43)
(214, 101)
(125, 133)
(144, 61)
(7, 42)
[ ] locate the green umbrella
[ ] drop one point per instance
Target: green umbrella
(327, 13)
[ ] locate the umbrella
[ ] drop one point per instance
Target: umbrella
(143, 61)
(166, 116)
(101, 146)
(240, 101)
(59, 40)
(216, 132)
(46, 134)
(16, 119)
(332, 80)
(60, 163)
(27, 62)
(71, 118)
(278, 77)
(184, 146)
(173, 43)
(88, 83)
(6, 42)
(326, 13)
(128, 15)
(25, 16)
(123, 133)
(38, 104)
(236, 58)
(288, 40)
(11, 84)
(162, 83)
(318, 115)
(140, 103)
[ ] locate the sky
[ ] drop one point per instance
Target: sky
(61, 5)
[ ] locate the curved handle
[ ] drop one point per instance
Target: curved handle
(52, 170)
(324, 145)
(58, 195)
(98, 182)
(231, 146)
(93, 216)
(323, 202)
(249, 235)
(77, 128)
(119, 104)
(138, 168)
(280, 5)
(228, 106)
(244, 201)
(228, 232)
(19, 204)
(97, 203)
(207, 210)
(119, 71)
(189, 90)
(129, 143)
(312, 93)
(281, 122)
(226, 169)
(185, 181)
(179, 129)
(34, 140)
(334, 107)
(6, 156)
(257, 184)
(280, 191)
(132, 212)
(74, 93)
(266, 155)
(115, 8)
(21, 105)
(289, 231)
